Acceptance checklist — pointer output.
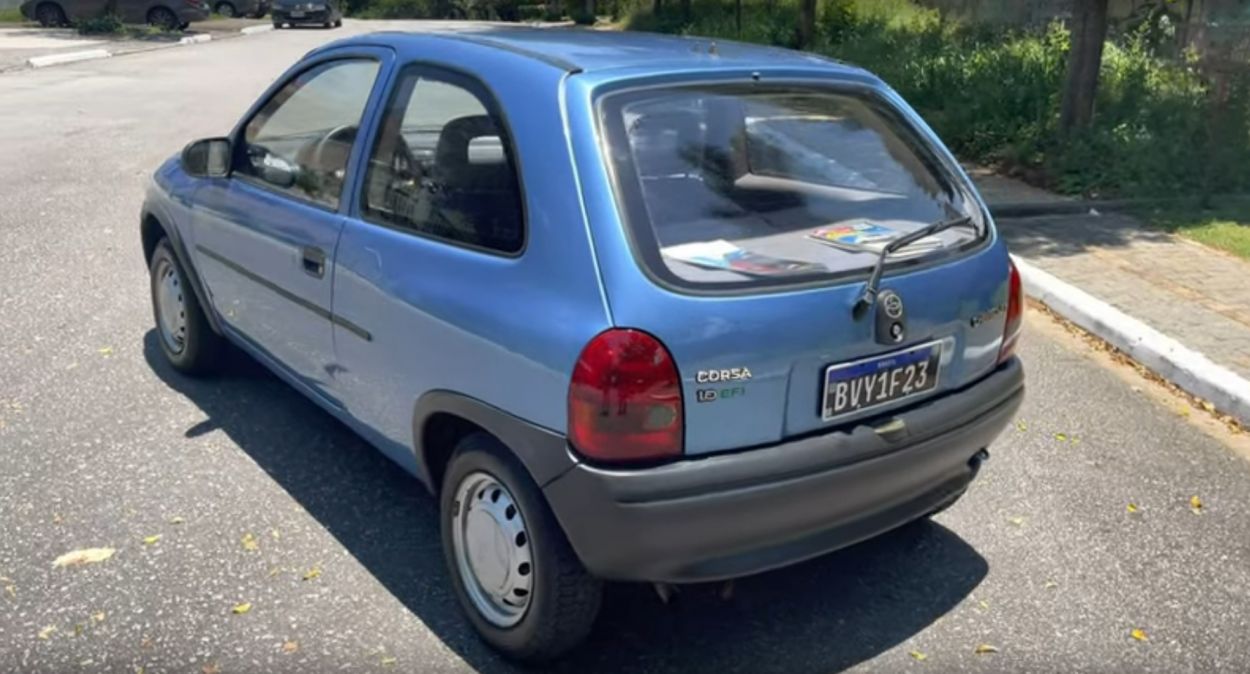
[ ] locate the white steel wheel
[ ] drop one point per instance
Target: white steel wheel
(171, 307)
(492, 550)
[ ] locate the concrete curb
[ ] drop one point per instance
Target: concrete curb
(195, 39)
(1188, 369)
(1028, 209)
(71, 57)
(252, 30)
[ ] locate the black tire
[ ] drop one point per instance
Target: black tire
(226, 9)
(163, 18)
(277, 25)
(202, 349)
(338, 23)
(565, 598)
(50, 15)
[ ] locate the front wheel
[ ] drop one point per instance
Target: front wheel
(512, 569)
(163, 18)
(50, 15)
(226, 9)
(186, 338)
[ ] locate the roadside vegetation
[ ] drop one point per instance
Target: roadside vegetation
(1226, 227)
(994, 93)
(11, 15)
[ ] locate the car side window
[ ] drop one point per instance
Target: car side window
(443, 164)
(300, 141)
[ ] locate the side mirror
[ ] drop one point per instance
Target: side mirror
(207, 158)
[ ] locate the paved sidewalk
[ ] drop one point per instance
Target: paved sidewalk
(20, 42)
(1197, 295)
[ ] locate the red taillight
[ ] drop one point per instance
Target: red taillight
(625, 399)
(1015, 313)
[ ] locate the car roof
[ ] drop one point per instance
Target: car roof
(585, 50)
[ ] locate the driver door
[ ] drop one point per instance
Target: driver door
(265, 237)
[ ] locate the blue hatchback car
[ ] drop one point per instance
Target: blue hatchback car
(635, 308)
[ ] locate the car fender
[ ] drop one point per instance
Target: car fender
(153, 209)
(543, 452)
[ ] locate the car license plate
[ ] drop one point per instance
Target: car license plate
(297, 15)
(871, 382)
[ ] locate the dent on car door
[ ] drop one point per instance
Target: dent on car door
(265, 237)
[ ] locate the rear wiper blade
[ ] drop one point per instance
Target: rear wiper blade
(869, 295)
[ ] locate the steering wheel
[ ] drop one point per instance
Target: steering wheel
(344, 135)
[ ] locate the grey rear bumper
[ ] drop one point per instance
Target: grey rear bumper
(742, 513)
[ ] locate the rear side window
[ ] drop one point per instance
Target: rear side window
(730, 185)
(299, 142)
(443, 164)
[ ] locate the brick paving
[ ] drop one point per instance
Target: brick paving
(1197, 295)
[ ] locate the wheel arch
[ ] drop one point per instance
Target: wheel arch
(151, 230)
(441, 418)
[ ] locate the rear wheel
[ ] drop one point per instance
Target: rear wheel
(226, 9)
(512, 569)
(186, 339)
(50, 15)
(163, 18)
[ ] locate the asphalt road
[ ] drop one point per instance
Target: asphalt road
(101, 445)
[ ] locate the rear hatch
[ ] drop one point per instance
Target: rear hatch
(749, 219)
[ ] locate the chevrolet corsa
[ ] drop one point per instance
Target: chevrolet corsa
(634, 308)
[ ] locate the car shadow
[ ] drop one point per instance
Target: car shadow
(827, 614)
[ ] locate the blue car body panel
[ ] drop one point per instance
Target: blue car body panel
(399, 316)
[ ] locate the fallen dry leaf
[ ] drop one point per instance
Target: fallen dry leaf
(276, 535)
(985, 605)
(1050, 585)
(1195, 504)
(211, 668)
(47, 632)
(918, 656)
(1206, 405)
(176, 520)
(1132, 507)
(240, 609)
(1138, 635)
(11, 590)
(98, 616)
(249, 542)
(106, 351)
(1021, 426)
(389, 661)
(57, 519)
(312, 573)
(290, 646)
(83, 556)
(78, 630)
(151, 540)
(1061, 437)
(1016, 521)
(985, 648)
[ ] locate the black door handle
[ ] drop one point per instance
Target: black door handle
(314, 261)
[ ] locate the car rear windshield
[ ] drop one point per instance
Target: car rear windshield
(756, 185)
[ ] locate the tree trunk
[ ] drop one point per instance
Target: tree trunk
(1089, 32)
(588, 10)
(657, 6)
(685, 10)
(807, 23)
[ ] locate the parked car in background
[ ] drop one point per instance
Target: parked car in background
(634, 308)
(250, 8)
(165, 14)
(306, 13)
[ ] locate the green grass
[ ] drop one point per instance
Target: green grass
(1226, 228)
(11, 15)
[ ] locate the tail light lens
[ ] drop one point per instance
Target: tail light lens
(625, 399)
(1015, 313)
